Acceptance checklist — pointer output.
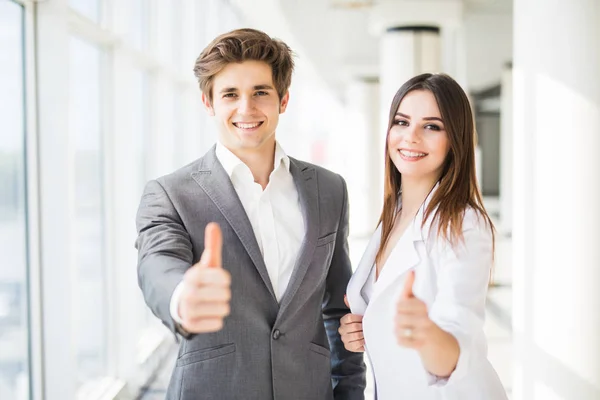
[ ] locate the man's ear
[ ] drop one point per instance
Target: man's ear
(284, 102)
(209, 108)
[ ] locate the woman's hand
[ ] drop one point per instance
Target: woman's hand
(413, 327)
(437, 348)
(351, 331)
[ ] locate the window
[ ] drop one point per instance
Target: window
(14, 309)
(85, 129)
(87, 8)
(177, 25)
(140, 116)
(138, 28)
(179, 143)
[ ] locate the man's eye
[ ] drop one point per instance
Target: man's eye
(262, 93)
(229, 95)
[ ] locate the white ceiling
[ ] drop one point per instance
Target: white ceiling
(334, 34)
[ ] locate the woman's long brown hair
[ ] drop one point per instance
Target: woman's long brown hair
(458, 188)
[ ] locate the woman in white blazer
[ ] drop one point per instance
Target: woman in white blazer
(418, 295)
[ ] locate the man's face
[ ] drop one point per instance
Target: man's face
(246, 106)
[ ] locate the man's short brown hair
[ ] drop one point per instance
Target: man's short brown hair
(243, 45)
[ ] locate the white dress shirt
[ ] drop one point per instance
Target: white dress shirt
(274, 214)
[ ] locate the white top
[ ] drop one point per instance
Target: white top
(367, 290)
(453, 284)
(275, 215)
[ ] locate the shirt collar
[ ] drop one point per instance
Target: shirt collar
(281, 157)
(230, 161)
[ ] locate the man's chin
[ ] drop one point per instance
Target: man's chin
(256, 143)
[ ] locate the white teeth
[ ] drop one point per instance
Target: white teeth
(247, 126)
(414, 154)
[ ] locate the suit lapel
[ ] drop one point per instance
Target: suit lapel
(305, 179)
(213, 179)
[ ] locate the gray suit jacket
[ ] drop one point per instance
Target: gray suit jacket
(265, 350)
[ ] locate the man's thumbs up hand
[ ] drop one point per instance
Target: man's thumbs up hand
(206, 294)
(213, 246)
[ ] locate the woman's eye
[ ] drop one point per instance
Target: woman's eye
(432, 127)
(401, 122)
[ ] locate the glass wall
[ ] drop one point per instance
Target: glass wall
(85, 129)
(88, 8)
(14, 326)
(112, 102)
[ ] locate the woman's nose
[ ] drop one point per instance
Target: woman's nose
(411, 135)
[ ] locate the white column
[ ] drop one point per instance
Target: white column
(361, 154)
(411, 41)
(556, 210)
(506, 150)
(406, 51)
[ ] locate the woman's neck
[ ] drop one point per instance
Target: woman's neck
(414, 193)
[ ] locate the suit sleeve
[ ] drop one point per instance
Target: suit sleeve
(164, 251)
(348, 370)
(459, 307)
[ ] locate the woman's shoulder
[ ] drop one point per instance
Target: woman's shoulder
(477, 220)
(474, 223)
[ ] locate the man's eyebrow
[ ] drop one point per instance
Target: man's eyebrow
(256, 87)
(263, 87)
(228, 90)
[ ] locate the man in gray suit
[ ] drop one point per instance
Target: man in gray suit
(244, 252)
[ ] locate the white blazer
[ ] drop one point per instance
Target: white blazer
(453, 283)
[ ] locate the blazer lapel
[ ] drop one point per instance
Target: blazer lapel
(361, 274)
(405, 256)
(217, 185)
(305, 179)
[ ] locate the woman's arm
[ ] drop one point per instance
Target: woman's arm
(449, 335)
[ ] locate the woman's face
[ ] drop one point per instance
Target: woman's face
(417, 142)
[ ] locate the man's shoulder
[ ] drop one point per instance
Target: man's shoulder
(186, 172)
(330, 184)
(323, 174)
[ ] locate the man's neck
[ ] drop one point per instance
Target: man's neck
(260, 162)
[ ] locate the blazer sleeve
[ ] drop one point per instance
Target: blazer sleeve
(164, 251)
(463, 274)
(348, 370)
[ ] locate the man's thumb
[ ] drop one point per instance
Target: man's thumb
(213, 244)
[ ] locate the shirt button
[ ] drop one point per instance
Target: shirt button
(276, 334)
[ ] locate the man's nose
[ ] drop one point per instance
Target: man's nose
(246, 105)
